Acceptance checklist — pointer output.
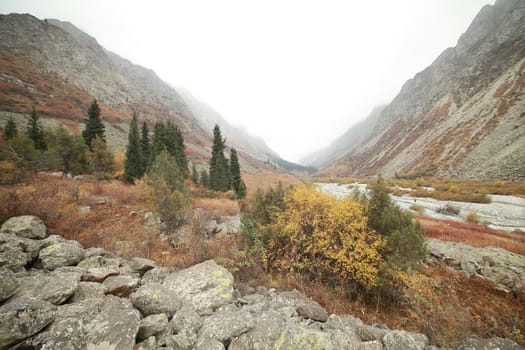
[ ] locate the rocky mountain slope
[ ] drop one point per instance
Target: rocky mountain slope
(463, 116)
(55, 294)
(346, 142)
(237, 136)
(60, 69)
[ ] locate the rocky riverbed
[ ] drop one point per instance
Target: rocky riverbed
(55, 294)
(503, 213)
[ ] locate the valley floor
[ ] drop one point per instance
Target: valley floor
(444, 304)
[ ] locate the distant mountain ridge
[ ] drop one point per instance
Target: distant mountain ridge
(60, 69)
(463, 116)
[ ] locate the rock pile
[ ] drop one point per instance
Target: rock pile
(54, 294)
(504, 269)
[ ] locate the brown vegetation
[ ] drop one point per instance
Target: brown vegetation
(443, 304)
(474, 235)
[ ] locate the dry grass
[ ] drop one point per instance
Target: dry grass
(474, 235)
(222, 206)
(267, 179)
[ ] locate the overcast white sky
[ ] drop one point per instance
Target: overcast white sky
(296, 72)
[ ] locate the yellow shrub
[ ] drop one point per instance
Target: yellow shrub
(328, 236)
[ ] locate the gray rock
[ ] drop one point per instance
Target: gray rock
(59, 254)
(262, 336)
(8, 284)
(27, 226)
(496, 265)
(370, 333)
(152, 325)
(115, 327)
(148, 344)
(21, 318)
(156, 275)
(154, 298)
(52, 287)
(88, 291)
(205, 286)
(12, 254)
(31, 247)
(182, 330)
(401, 340)
(68, 330)
(312, 311)
(121, 286)
(476, 343)
(151, 219)
(300, 337)
(371, 345)
(224, 326)
(99, 274)
(209, 344)
(141, 265)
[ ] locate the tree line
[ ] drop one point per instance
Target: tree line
(57, 149)
(141, 153)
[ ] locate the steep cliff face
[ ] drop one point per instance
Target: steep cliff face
(60, 69)
(462, 116)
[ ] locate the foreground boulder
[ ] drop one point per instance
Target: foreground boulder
(205, 286)
(22, 318)
(27, 226)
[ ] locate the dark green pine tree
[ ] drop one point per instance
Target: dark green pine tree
(194, 174)
(204, 180)
(133, 166)
(219, 179)
(34, 131)
(157, 144)
(145, 146)
(10, 129)
(94, 126)
(236, 181)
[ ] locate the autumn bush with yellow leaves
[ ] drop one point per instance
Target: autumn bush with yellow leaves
(325, 238)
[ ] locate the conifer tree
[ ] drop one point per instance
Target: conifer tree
(236, 182)
(94, 126)
(219, 179)
(10, 129)
(157, 144)
(34, 131)
(145, 146)
(133, 166)
(204, 178)
(194, 175)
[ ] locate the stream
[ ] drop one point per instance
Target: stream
(503, 213)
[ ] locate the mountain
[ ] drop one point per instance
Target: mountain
(463, 116)
(60, 69)
(346, 142)
(238, 137)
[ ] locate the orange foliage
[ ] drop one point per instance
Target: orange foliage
(223, 206)
(474, 235)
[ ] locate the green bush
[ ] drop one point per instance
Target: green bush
(171, 196)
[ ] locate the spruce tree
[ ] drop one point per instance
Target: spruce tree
(133, 166)
(194, 175)
(219, 179)
(157, 144)
(204, 180)
(236, 182)
(34, 131)
(10, 129)
(145, 146)
(94, 126)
